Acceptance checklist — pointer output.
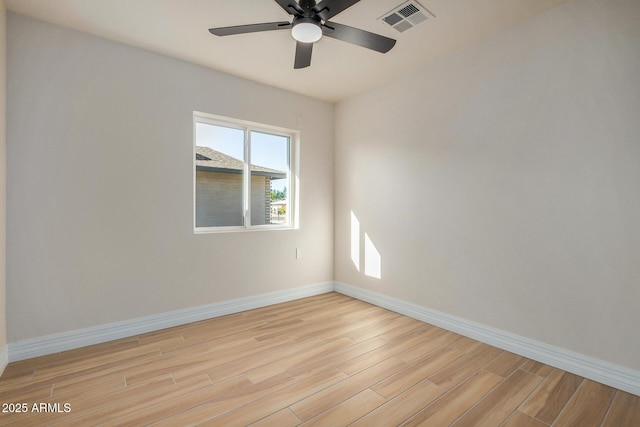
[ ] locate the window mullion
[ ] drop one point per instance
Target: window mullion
(247, 178)
(290, 185)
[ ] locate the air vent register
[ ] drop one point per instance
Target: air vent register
(407, 15)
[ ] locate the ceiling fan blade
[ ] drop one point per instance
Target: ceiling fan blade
(290, 6)
(303, 55)
(251, 28)
(358, 37)
(327, 9)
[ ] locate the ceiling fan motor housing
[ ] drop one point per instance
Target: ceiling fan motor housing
(307, 6)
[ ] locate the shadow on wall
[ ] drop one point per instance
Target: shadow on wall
(372, 259)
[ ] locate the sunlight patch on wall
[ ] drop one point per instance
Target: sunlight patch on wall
(355, 241)
(372, 260)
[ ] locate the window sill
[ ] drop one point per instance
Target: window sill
(216, 230)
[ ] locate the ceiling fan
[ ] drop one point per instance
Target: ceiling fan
(310, 22)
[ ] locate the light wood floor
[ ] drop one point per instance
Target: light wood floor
(328, 360)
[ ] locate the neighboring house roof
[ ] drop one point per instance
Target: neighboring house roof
(208, 159)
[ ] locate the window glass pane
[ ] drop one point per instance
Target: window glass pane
(269, 178)
(219, 176)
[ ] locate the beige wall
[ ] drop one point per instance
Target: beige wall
(100, 185)
(3, 169)
(506, 181)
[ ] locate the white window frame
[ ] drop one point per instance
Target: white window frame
(293, 173)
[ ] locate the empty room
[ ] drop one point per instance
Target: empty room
(335, 212)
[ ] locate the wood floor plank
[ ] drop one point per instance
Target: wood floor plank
(80, 380)
(231, 345)
(31, 364)
(319, 330)
(452, 405)
(505, 364)
(546, 402)
(96, 350)
(208, 362)
(29, 395)
(400, 408)
(404, 326)
(434, 332)
(92, 365)
(519, 419)
(537, 368)
(327, 398)
(161, 336)
(348, 411)
(186, 344)
(310, 366)
(261, 408)
(100, 355)
(85, 401)
(414, 374)
(89, 385)
(13, 371)
(282, 418)
(135, 404)
(587, 407)
(73, 375)
(213, 400)
(162, 342)
(373, 329)
(353, 325)
(269, 354)
(426, 348)
(625, 411)
(218, 357)
(165, 365)
(496, 406)
(466, 365)
(300, 362)
(465, 344)
(391, 349)
(284, 328)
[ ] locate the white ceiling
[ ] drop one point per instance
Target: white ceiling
(178, 28)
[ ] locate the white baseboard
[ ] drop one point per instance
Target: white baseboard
(597, 370)
(4, 359)
(98, 334)
(594, 369)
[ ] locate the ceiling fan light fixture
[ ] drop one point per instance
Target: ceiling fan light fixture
(306, 30)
